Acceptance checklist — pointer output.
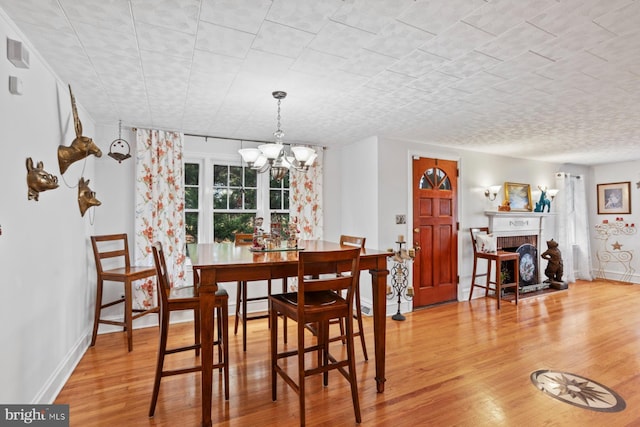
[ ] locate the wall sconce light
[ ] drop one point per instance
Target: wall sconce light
(492, 192)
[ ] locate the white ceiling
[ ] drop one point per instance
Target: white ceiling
(554, 80)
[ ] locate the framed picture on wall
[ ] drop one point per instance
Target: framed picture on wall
(614, 198)
(518, 195)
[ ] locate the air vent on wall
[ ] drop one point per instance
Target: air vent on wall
(17, 53)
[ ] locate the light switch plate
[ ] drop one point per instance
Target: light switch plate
(15, 85)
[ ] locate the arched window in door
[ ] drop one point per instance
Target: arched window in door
(435, 179)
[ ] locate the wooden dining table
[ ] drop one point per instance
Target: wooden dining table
(221, 262)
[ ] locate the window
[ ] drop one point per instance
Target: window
(192, 198)
(235, 190)
(224, 198)
(435, 179)
(279, 204)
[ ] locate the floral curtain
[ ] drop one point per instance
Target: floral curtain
(159, 207)
(305, 199)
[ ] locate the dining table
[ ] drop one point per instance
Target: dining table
(215, 263)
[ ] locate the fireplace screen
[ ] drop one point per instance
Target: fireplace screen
(526, 247)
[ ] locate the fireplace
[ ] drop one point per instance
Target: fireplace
(527, 247)
(521, 232)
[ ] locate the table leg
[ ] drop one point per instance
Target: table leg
(207, 291)
(379, 287)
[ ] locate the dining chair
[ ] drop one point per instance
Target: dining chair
(495, 258)
(358, 242)
(317, 300)
(186, 298)
(245, 239)
(111, 253)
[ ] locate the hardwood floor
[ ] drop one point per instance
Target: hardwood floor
(460, 364)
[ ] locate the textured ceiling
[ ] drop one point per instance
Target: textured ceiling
(555, 80)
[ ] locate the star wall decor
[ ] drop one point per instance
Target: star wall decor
(616, 246)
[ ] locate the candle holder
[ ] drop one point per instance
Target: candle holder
(399, 287)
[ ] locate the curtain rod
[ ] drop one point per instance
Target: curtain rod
(249, 140)
(241, 139)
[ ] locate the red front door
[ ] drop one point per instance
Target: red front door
(435, 234)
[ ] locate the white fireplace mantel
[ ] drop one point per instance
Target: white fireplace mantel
(516, 223)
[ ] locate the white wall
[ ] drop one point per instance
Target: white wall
(477, 172)
(46, 302)
(604, 174)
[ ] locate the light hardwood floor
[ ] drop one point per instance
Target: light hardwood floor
(462, 364)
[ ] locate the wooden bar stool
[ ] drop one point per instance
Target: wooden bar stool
(111, 253)
(494, 259)
(246, 239)
(186, 298)
(318, 300)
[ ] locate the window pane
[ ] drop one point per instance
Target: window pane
(220, 199)
(225, 225)
(285, 200)
(191, 227)
(220, 175)
(191, 197)
(250, 177)
(235, 176)
(191, 173)
(275, 199)
(235, 199)
(250, 199)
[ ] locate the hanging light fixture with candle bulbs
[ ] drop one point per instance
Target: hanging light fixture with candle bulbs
(274, 157)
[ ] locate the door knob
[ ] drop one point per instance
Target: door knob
(416, 230)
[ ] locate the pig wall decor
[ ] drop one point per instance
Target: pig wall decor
(86, 197)
(81, 146)
(39, 180)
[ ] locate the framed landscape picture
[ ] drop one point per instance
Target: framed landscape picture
(518, 195)
(614, 198)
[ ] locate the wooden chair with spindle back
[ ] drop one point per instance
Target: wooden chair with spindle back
(111, 253)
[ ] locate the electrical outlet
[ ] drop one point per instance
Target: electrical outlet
(401, 219)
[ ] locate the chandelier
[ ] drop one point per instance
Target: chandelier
(273, 156)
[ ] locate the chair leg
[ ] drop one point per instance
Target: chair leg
(284, 318)
(473, 276)
(352, 370)
(488, 282)
(96, 317)
(225, 347)
(498, 282)
(128, 312)
(301, 369)
(238, 302)
(360, 328)
(196, 329)
(244, 316)
(162, 347)
(273, 317)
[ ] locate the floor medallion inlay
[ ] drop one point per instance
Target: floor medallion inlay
(578, 391)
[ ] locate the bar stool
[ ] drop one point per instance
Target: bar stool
(493, 259)
(111, 253)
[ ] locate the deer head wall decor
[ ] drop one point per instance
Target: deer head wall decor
(81, 146)
(86, 197)
(39, 180)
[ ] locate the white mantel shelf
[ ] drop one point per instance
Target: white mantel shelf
(518, 214)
